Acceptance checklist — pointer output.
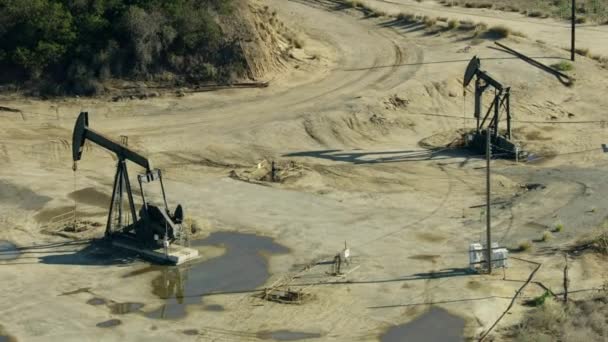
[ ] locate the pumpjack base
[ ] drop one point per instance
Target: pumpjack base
(501, 146)
(176, 254)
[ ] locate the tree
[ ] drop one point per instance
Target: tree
(35, 33)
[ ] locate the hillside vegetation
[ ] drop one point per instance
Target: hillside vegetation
(72, 46)
(592, 10)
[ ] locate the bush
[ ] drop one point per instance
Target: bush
(536, 14)
(354, 3)
(78, 43)
(429, 21)
(407, 17)
(499, 32)
(583, 320)
(559, 227)
(540, 300)
(547, 236)
(524, 245)
(562, 66)
(582, 51)
(453, 24)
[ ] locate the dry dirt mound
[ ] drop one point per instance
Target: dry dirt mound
(353, 128)
(452, 138)
(263, 37)
(270, 171)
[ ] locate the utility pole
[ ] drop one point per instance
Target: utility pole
(573, 35)
(488, 218)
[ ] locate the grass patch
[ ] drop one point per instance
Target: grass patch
(430, 22)
(365, 8)
(480, 29)
(602, 59)
(547, 236)
(559, 227)
(524, 246)
(499, 32)
(595, 11)
(519, 34)
(537, 14)
(583, 320)
(563, 66)
(597, 243)
(354, 3)
(582, 51)
(407, 17)
(452, 24)
(540, 300)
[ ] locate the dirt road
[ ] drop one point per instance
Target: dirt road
(351, 113)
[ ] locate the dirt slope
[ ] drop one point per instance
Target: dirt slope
(347, 116)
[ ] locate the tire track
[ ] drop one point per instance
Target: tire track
(333, 95)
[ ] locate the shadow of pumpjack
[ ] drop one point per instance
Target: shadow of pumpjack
(87, 252)
(444, 273)
(357, 157)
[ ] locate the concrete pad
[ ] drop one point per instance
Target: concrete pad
(176, 254)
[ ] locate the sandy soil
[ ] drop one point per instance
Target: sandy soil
(351, 112)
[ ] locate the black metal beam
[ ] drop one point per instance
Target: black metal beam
(573, 35)
(534, 62)
(120, 150)
(494, 83)
(82, 132)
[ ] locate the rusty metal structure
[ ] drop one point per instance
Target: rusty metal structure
(154, 226)
(499, 109)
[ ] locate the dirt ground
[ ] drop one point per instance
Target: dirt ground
(349, 117)
(590, 10)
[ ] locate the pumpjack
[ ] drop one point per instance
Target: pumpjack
(488, 124)
(156, 226)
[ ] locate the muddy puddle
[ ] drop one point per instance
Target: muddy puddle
(4, 337)
(213, 307)
(115, 307)
(242, 267)
(96, 301)
(109, 323)
(436, 325)
(8, 250)
(124, 308)
(91, 196)
(25, 198)
(45, 215)
(7, 338)
(286, 335)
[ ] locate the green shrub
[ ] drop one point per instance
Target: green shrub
(559, 227)
(453, 24)
(536, 14)
(540, 300)
(547, 236)
(354, 3)
(562, 66)
(430, 22)
(582, 51)
(75, 44)
(524, 245)
(499, 32)
(407, 17)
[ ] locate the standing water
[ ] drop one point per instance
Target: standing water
(243, 267)
(436, 325)
(8, 251)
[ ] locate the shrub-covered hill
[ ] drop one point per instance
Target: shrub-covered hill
(72, 46)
